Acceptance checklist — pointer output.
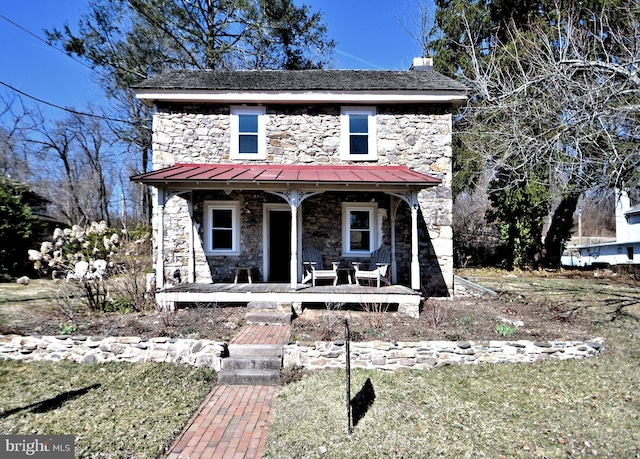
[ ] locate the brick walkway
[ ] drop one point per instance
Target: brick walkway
(232, 421)
(262, 334)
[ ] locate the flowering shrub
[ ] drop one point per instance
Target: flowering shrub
(83, 254)
(71, 245)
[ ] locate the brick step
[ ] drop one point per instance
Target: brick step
(249, 377)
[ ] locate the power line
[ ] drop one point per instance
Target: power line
(69, 110)
(25, 30)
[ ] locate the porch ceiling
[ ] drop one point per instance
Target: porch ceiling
(229, 175)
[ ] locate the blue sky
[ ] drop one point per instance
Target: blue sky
(367, 33)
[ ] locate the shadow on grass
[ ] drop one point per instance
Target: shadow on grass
(362, 401)
(51, 404)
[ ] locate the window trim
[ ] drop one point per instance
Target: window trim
(345, 133)
(235, 133)
(372, 208)
(209, 206)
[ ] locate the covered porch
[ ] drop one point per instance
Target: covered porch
(185, 193)
(405, 299)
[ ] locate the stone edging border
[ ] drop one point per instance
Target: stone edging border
(98, 349)
(371, 355)
(430, 354)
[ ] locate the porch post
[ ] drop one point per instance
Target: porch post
(294, 242)
(160, 196)
(415, 263)
(191, 275)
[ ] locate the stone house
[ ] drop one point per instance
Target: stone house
(252, 167)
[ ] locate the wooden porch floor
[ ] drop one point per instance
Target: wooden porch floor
(303, 293)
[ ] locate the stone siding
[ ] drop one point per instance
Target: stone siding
(430, 354)
(418, 137)
(92, 349)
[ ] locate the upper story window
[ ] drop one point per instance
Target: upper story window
(358, 134)
(222, 227)
(358, 228)
(248, 133)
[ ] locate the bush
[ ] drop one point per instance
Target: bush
(19, 228)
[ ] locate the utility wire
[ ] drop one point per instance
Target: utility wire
(75, 112)
(49, 44)
(70, 110)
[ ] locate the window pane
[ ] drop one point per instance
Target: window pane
(222, 218)
(248, 123)
(359, 219)
(222, 239)
(359, 240)
(358, 124)
(359, 145)
(248, 144)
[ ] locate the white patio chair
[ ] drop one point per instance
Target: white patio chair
(378, 268)
(314, 268)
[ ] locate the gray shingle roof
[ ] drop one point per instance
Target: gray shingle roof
(302, 80)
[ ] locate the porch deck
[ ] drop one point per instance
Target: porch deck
(408, 300)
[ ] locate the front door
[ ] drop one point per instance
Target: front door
(279, 249)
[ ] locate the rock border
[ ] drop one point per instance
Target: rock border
(318, 355)
(431, 354)
(98, 349)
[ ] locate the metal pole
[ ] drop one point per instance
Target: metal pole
(348, 366)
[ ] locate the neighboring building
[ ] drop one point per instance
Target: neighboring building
(252, 167)
(626, 248)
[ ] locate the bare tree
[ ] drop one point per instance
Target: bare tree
(567, 100)
(15, 123)
(77, 168)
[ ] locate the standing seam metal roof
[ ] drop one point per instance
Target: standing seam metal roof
(287, 174)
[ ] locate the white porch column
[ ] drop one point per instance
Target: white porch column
(294, 243)
(160, 197)
(191, 275)
(415, 264)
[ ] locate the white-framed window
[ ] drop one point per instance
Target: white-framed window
(222, 227)
(248, 133)
(358, 134)
(359, 228)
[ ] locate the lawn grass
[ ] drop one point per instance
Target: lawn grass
(587, 408)
(553, 409)
(117, 409)
(581, 408)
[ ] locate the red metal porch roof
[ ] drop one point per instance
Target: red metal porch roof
(287, 174)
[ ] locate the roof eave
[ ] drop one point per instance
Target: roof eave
(152, 96)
